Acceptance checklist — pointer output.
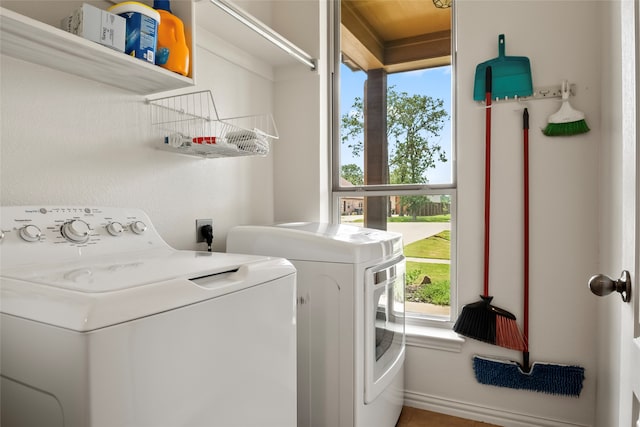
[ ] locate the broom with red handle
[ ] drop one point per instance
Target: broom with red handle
(551, 378)
(481, 320)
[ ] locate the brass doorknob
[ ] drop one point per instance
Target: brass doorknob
(602, 285)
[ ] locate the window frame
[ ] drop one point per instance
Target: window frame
(389, 190)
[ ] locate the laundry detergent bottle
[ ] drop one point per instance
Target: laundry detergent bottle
(172, 52)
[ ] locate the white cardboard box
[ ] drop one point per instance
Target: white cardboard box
(97, 25)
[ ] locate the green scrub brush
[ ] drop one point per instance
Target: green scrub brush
(566, 121)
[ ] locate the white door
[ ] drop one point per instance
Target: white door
(630, 239)
(618, 388)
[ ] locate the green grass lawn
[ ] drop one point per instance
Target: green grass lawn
(436, 247)
(438, 291)
(436, 272)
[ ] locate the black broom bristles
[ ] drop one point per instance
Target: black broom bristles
(484, 322)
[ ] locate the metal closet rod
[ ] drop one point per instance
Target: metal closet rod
(266, 32)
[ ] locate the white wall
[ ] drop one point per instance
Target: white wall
(301, 154)
(67, 140)
(561, 39)
(301, 165)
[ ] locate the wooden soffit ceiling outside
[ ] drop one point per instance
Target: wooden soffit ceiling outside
(396, 35)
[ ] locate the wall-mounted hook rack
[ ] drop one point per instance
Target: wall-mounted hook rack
(542, 92)
(552, 92)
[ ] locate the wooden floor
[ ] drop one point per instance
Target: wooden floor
(412, 417)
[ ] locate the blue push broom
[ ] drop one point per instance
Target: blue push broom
(541, 377)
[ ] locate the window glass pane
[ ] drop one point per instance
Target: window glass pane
(419, 133)
(351, 155)
(425, 224)
(418, 127)
(394, 119)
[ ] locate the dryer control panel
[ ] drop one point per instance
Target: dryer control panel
(36, 234)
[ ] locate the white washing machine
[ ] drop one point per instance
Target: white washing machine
(104, 324)
(351, 341)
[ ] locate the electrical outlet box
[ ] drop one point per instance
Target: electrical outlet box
(199, 224)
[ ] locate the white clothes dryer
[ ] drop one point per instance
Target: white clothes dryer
(103, 324)
(351, 341)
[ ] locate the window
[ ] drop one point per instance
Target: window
(393, 150)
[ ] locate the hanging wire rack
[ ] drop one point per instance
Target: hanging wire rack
(189, 124)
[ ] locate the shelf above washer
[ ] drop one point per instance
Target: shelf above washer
(34, 41)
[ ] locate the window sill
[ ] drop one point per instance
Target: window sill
(433, 338)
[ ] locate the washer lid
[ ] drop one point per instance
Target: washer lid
(99, 292)
(126, 270)
(312, 241)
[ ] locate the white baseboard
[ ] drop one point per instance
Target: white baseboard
(480, 413)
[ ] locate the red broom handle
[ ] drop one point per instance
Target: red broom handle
(525, 126)
(487, 177)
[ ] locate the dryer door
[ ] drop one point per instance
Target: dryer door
(384, 325)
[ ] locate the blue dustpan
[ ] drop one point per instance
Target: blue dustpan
(511, 76)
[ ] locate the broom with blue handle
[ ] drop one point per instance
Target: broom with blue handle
(541, 377)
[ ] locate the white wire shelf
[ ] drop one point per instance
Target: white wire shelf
(189, 124)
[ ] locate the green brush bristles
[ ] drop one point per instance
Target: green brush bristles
(566, 121)
(566, 129)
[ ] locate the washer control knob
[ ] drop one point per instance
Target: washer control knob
(115, 228)
(30, 233)
(138, 227)
(76, 231)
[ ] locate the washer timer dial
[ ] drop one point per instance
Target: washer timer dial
(76, 231)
